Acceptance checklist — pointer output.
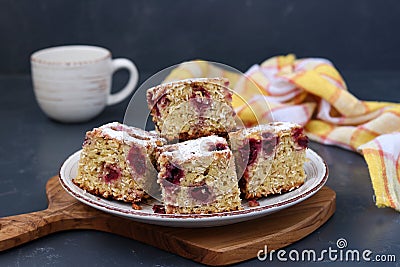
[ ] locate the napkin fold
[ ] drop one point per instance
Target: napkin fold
(312, 92)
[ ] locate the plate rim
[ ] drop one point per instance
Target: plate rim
(173, 218)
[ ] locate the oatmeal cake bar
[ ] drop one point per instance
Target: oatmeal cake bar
(192, 108)
(269, 158)
(117, 162)
(198, 176)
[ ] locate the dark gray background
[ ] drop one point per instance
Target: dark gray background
(360, 34)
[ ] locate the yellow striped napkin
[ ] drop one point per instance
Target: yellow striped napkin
(311, 92)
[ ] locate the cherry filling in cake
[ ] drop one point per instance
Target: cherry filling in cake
(276, 155)
(110, 172)
(220, 146)
(217, 147)
(87, 141)
(161, 103)
(267, 143)
(254, 150)
(118, 127)
(300, 138)
(201, 89)
(159, 209)
(247, 153)
(200, 101)
(200, 104)
(137, 160)
(173, 175)
(201, 193)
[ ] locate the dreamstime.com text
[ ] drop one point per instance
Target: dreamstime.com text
(340, 253)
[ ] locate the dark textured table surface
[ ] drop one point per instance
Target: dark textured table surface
(33, 148)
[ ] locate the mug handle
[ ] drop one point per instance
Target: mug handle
(117, 64)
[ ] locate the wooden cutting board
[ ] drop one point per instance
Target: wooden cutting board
(212, 246)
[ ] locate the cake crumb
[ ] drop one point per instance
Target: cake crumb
(253, 203)
(159, 209)
(136, 206)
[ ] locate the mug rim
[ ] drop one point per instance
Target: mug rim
(35, 57)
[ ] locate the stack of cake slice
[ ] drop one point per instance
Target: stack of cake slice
(212, 164)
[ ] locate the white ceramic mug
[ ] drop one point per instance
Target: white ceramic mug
(73, 83)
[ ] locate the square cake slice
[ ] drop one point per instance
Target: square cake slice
(192, 108)
(269, 158)
(198, 176)
(117, 162)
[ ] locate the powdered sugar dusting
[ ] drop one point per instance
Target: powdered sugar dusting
(273, 127)
(124, 133)
(195, 148)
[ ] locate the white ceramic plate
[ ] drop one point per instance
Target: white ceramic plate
(316, 170)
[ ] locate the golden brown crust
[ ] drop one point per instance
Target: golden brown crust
(132, 198)
(278, 190)
(169, 209)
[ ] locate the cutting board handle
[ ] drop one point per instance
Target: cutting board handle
(63, 213)
(19, 229)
